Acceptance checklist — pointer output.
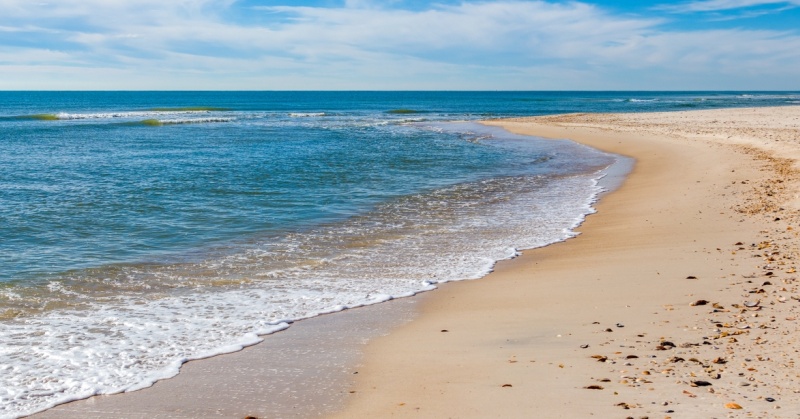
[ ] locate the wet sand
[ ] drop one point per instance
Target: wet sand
(678, 299)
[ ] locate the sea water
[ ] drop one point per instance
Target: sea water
(139, 230)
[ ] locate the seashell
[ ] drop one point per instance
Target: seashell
(594, 387)
(752, 304)
(699, 303)
(732, 406)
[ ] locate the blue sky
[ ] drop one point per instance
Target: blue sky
(399, 45)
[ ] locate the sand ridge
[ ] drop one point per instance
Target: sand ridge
(679, 299)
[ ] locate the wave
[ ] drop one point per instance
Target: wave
(120, 115)
(191, 109)
(306, 114)
(161, 122)
(149, 114)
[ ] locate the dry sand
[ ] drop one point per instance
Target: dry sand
(645, 314)
(678, 299)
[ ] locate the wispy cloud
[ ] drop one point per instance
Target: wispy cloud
(719, 5)
(363, 44)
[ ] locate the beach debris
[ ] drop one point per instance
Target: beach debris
(250, 417)
(445, 330)
(689, 393)
(584, 346)
(691, 277)
(665, 345)
(631, 357)
(699, 303)
(600, 358)
(676, 359)
(700, 383)
(732, 406)
(507, 385)
(594, 387)
(719, 360)
(751, 304)
(609, 329)
(625, 406)
(769, 399)
(620, 325)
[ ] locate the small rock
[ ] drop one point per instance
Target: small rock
(699, 303)
(700, 383)
(769, 399)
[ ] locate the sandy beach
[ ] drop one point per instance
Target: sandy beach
(679, 298)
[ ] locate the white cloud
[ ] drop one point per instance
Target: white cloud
(156, 44)
(718, 5)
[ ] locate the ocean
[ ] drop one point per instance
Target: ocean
(139, 230)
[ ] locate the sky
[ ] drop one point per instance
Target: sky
(399, 45)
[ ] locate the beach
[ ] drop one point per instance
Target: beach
(679, 298)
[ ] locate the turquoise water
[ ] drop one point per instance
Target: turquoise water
(142, 229)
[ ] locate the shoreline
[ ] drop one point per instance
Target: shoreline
(678, 298)
(463, 399)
